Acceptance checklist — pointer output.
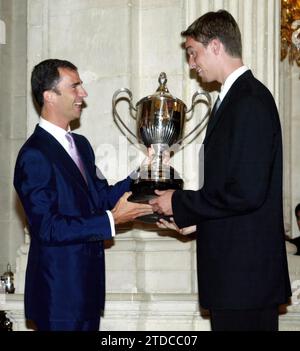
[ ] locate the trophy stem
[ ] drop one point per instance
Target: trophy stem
(155, 174)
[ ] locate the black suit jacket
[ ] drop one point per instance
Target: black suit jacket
(240, 234)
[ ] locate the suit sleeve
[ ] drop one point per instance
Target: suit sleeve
(252, 144)
(35, 184)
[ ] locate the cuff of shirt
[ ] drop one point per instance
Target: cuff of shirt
(134, 174)
(112, 223)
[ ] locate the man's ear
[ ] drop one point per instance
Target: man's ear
(215, 46)
(48, 96)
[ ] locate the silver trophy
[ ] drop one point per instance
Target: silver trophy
(160, 122)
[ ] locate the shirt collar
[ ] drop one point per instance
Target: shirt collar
(58, 133)
(230, 80)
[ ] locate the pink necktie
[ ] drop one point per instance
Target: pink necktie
(75, 155)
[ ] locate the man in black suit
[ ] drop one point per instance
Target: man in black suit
(242, 265)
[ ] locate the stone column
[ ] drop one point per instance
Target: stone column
(12, 124)
(289, 109)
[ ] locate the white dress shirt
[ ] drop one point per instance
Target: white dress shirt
(230, 80)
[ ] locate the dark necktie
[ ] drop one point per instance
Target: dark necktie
(217, 104)
(75, 155)
(212, 115)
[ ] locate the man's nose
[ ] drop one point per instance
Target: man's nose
(83, 92)
(192, 63)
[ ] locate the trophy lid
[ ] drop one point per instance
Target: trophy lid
(8, 273)
(162, 92)
(162, 89)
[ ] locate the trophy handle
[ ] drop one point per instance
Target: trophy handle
(195, 101)
(116, 115)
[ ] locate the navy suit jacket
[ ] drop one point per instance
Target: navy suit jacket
(67, 221)
(241, 254)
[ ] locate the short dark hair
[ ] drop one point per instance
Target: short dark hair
(45, 76)
(217, 25)
(297, 209)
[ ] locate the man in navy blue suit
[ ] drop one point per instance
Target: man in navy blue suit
(241, 255)
(69, 206)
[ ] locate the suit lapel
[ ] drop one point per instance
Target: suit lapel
(215, 118)
(58, 155)
(88, 166)
(85, 156)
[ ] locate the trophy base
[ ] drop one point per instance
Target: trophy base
(143, 191)
(152, 218)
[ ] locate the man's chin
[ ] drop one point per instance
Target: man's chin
(77, 116)
(202, 77)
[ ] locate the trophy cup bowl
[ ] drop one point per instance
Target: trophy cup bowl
(160, 122)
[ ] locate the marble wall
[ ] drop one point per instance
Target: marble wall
(289, 108)
(295, 145)
(13, 116)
